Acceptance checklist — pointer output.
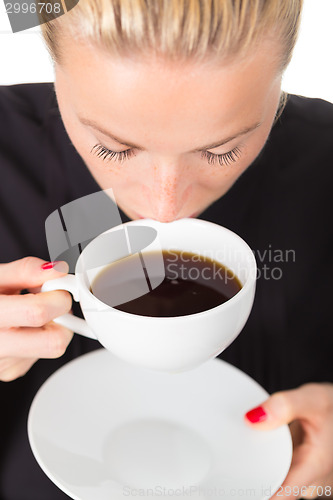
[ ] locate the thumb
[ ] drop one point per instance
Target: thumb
(283, 407)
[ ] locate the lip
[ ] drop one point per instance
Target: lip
(195, 214)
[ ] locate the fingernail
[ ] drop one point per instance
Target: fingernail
(256, 415)
(50, 265)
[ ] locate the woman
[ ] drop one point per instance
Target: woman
(175, 105)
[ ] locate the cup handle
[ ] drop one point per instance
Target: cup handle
(74, 323)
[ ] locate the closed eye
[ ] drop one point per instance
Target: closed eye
(106, 154)
(223, 159)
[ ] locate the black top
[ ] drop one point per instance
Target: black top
(281, 205)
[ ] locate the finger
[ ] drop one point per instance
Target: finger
(297, 433)
(308, 403)
(318, 489)
(322, 488)
(49, 341)
(28, 272)
(33, 310)
(34, 289)
(304, 472)
(13, 368)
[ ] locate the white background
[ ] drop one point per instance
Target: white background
(24, 58)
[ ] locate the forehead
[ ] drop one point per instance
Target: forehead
(140, 96)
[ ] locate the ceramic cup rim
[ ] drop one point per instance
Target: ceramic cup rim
(249, 283)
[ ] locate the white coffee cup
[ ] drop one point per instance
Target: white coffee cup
(163, 343)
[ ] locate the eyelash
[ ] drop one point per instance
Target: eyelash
(105, 153)
(223, 159)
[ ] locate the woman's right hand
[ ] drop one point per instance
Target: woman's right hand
(27, 331)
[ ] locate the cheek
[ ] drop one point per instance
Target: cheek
(218, 179)
(106, 175)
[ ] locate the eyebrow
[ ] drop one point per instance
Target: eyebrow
(243, 131)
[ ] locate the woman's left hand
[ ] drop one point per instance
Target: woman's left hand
(309, 412)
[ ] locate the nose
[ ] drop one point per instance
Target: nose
(169, 192)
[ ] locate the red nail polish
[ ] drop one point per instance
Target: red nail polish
(256, 415)
(49, 265)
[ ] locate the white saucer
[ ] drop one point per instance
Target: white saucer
(102, 429)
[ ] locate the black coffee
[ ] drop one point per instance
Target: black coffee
(192, 284)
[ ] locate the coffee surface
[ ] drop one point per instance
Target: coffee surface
(192, 284)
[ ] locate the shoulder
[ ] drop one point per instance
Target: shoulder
(300, 144)
(309, 114)
(303, 118)
(24, 111)
(26, 100)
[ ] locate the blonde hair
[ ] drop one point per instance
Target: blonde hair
(177, 28)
